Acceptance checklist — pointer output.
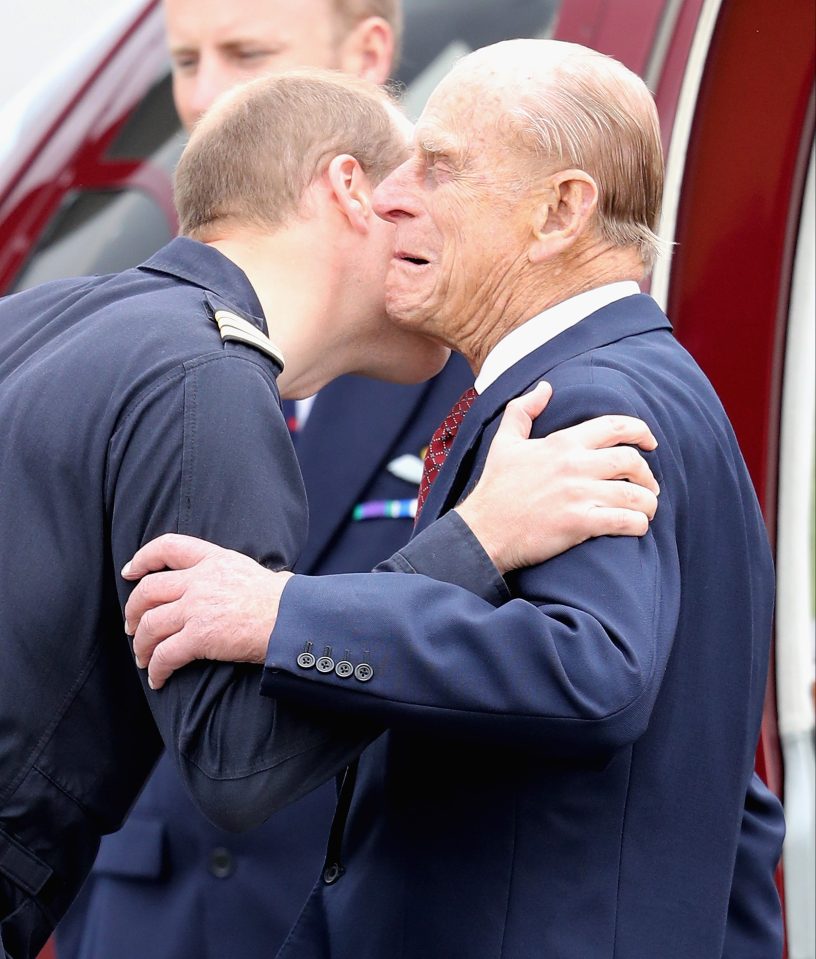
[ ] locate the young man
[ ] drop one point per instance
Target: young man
(170, 879)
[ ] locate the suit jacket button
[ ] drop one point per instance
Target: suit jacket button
(221, 863)
(332, 873)
(363, 672)
(305, 660)
(325, 664)
(344, 669)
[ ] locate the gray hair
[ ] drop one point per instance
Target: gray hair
(600, 117)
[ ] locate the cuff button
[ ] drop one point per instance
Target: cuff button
(332, 873)
(344, 669)
(363, 672)
(305, 660)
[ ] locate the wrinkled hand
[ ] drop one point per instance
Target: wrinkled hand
(538, 498)
(212, 603)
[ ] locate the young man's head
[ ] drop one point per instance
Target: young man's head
(214, 45)
(251, 161)
(279, 175)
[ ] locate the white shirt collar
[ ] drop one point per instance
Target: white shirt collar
(521, 341)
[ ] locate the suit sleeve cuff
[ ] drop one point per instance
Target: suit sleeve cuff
(449, 552)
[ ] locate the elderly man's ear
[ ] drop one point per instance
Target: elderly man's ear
(352, 191)
(564, 214)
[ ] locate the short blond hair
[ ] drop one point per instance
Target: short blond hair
(351, 12)
(253, 155)
(596, 115)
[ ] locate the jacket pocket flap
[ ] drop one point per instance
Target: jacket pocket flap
(23, 867)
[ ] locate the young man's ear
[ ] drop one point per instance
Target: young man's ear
(352, 191)
(569, 201)
(368, 50)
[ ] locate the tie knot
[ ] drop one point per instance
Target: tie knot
(450, 424)
(464, 402)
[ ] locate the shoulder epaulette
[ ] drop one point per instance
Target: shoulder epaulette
(234, 327)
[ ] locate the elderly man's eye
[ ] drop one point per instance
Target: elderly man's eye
(442, 169)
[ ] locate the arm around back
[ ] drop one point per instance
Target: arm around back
(572, 662)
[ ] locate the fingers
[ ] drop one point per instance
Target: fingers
(604, 521)
(624, 462)
(604, 463)
(170, 551)
(176, 651)
(155, 627)
(155, 589)
(622, 497)
(612, 430)
(224, 608)
(518, 416)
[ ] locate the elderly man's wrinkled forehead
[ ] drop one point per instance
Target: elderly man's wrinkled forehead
(482, 86)
(496, 74)
(522, 61)
(460, 110)
(489, 85)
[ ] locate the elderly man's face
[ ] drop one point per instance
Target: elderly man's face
(460, 227)
(216, 44)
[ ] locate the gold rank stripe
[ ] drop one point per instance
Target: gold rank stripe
(236, 328)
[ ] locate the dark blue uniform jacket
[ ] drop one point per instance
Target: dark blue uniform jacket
(125, 415)
(170, 884)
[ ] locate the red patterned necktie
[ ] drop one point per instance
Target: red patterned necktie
(440, 444)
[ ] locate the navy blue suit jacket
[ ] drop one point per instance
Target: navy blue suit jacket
(568, 755)
(169, 884)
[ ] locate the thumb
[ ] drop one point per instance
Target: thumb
(171, 551)
(517, 420)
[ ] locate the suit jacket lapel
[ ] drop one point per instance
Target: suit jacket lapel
(626, 317)
(337, 458)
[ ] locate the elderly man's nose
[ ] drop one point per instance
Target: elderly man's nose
(391, 199)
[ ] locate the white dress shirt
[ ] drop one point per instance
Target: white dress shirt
(521, 341)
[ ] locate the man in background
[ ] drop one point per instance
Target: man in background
(169, 884)
(214, 45)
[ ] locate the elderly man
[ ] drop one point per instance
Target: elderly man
(570, 748)
(148, 401)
